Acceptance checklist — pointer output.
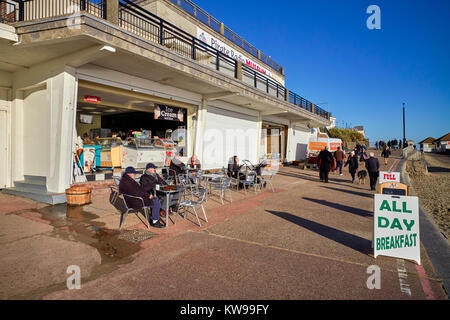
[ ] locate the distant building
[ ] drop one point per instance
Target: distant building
(333, 123)
(428, 145)
(443, 143)
(360, 129)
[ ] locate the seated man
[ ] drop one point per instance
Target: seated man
(177, 167)
(194, 163)
(130, 187)
(149, 180)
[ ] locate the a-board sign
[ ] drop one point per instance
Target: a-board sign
(394, 188)
(396, 227)
(389, 177)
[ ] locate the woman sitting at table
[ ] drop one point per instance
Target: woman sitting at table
(234, 169)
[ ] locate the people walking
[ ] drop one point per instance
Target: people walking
(325, 159)
(352, 163)
(339, 155)
(373, 167)
(385, 154)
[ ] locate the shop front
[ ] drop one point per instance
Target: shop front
(274, 140)
(116, 129)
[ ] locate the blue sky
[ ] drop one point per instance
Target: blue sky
(330, 55)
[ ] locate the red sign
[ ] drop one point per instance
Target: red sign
(93, 99)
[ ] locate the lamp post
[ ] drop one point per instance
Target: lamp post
(404, 130)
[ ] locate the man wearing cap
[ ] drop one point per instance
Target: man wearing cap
(373, 167)
(150, 179)
(130, 187)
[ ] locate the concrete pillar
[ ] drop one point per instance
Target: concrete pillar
(222, 29)
(286, 97)
(259, 54)
(289, 156)
(199, 130)
(62, 94)
(112, 11)
(238, 71)
(259, 151)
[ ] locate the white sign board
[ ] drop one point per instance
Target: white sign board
(389, 177)
(396, 227)
(229, 51)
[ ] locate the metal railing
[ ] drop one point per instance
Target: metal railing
(27, 10)
(210, 21)
(150, 27)
(7, 11)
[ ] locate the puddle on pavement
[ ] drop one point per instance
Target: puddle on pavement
(73, 223)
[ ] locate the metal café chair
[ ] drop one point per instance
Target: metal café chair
(250, 181)
(194, 204)
(222, 186)
(135, 210)
(115, 189)
(266, 179)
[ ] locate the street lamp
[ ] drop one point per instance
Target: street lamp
(404, 130)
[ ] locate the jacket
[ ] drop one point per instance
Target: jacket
(352, 163)
(339, 155)
(130, 187)
(372, 165)
(326, 159)
(386, 153)
(148, 182)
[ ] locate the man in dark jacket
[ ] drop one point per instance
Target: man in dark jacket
(325, 159)
(373, 167)
(128, 186)
(352, 164)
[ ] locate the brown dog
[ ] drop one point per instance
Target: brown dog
(362, 175)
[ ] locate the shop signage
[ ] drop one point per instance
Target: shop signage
(396, 227)
(229, 51)
(92, 99)
(163, 112)
(389, 177)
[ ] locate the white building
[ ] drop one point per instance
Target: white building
(113, 61)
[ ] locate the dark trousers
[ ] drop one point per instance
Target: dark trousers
(353, 173)
(373, 180)
(156, 207)
(324, 175)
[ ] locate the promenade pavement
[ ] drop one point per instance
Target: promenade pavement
(306, 240)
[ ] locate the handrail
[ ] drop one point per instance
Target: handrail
(232, 35)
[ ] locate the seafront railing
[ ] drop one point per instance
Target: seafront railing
(150, 27)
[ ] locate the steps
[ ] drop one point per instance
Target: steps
(35, 187)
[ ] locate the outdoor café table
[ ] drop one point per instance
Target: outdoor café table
(209, 177)
(165, 195)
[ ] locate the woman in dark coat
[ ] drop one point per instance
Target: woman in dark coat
(234, 169)
(352, 163)
(325, 159)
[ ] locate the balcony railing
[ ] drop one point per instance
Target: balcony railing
(191, 8)
(7, 12)
(150, 27)
(26, 10)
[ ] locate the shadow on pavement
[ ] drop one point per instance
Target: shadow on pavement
(357, 211)
(356, 193)
(342, 237)
(332, 180)
(438, 170)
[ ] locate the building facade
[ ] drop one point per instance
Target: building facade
(119, 61)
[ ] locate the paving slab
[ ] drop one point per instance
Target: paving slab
(13, 227)
(41, 261)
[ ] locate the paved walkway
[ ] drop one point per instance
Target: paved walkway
(308, 240)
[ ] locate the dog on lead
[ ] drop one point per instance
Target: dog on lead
(362, 175)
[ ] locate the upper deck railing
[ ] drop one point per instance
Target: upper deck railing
(194, 10)
(150, 27)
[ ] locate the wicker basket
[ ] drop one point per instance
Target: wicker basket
(78, 196)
